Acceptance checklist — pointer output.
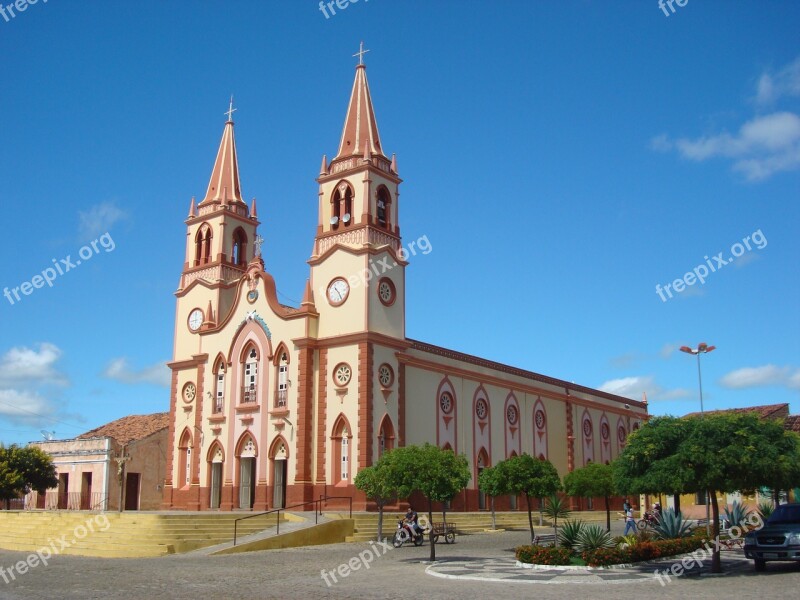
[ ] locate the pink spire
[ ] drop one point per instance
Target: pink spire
(394, 164)
(224, 184)
(323, 170)
(360, 132)
(253, 211)
(192, 208)
(308, 295)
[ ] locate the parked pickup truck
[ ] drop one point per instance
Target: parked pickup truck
(779, 539)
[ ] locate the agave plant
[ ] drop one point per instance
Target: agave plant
(628, 540)
(765, 508)
(570, 531)
(737, 514)
(555, 509)
(672, 526)
(593, 537)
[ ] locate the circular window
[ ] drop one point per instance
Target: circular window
(540, 420)
(385, 375)
(481, 409)
(189, 392)
(446, 403)
(512, 415)
(587, 428)
(621, 433)
(604, 430)
(386, 291)
(342, 374)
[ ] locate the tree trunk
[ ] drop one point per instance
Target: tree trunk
(530, 517)
(776, 496)
(541, 517)
(716, 564)
(494, 522)
(608, 515)
(677, 502)
(380, 522)
(430, 532)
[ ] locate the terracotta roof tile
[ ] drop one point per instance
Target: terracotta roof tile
(792, 423)
(130, 428)
(768, 411)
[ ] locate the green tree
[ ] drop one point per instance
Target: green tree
(437, 474)
(23, 470)
(533, 477)
(374, 482)
(716, 453)
(593, 480)
(556, 508)
(489, 483)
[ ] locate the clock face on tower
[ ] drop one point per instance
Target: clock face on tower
(195, 319)
(338, 290)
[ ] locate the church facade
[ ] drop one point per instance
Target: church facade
(272, 405)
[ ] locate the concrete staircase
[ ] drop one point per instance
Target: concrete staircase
(129, 534)
(366, 524)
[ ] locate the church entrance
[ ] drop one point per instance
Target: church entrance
(216, 485)
(132, 491)
(279, 478)
(247, 480)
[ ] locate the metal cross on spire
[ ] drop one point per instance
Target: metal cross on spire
(257, 243)
(231, 110)
(360, 54)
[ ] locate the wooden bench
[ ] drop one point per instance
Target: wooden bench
(547, 538)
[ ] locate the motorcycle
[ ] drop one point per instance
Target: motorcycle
(404, 534)
(650, 519)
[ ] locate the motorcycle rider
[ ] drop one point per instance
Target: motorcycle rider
(412, 520)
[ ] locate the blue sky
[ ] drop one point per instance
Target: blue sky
(563, 159)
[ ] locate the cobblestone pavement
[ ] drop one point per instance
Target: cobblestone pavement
(381, 573)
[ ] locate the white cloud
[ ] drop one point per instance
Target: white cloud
(26, 366)
(785, 82)
(766, 375)
(25, 407)
(634, 387)
(99, 219)
(119, 370)
(668, 350)
(763, 146)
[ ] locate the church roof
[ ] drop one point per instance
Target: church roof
(224, 185)
(792, 423)
(131, 428)
(360, 132)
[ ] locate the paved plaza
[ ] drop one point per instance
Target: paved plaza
(476, 566)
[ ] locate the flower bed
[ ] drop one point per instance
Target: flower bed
(641, 552)
(544, 555)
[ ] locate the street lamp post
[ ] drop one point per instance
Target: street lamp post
(702, 348)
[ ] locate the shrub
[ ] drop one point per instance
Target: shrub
(543, 555)
(629, 540)
(672, 525)
(593, 537)
(570, 531)
(642, 551)
(765, 508)
(737, 514)
(604, 557)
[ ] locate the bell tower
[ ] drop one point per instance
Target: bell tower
(357, 257)
(220, 238)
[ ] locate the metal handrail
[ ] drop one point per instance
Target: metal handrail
(317, 511)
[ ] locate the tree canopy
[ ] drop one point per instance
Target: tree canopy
(23, 470)
(595, 480)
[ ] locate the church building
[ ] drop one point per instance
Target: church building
(272, 405)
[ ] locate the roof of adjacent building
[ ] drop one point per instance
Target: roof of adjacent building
(768, 411)
(131, 428)
(792, 423)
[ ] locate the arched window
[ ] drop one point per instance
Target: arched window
(336, 210)
(340, 438)
(185, 459)
(250, 377)
(282, 391)
(202, 246)
(219, 387)
(383, 210)
(239, 250)
(385, 436)
(347, 217)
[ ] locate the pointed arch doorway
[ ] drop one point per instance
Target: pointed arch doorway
(279, 456)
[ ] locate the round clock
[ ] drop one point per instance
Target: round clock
(385, 375)
(195, 319)
(189, 392)
(342, 374)
(386, 291)
(338, 289)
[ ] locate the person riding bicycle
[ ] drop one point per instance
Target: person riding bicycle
(412, 520)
